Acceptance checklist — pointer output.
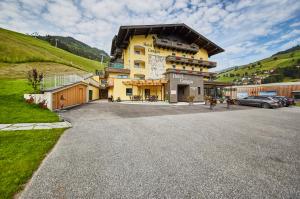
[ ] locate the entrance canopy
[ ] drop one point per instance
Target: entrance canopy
(159, 82)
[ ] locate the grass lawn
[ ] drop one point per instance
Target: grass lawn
(21, 152)
(13, 108)
(19, 48)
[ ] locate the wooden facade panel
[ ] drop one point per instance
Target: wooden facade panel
(69, 97)
(281, 90)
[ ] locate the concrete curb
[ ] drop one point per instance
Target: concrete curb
(34, 126)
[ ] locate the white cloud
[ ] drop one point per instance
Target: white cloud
(246, 29)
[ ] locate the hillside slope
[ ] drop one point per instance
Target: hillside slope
(76, 47)
(18, 49)
(280, 67)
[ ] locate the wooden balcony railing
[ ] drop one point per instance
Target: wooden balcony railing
(191, 61)
(165, 43)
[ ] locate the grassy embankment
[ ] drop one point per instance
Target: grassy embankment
(21, 152)
(19, 53)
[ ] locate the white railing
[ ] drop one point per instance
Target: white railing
(60, 80)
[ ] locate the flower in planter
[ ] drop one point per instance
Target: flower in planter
(191, 99)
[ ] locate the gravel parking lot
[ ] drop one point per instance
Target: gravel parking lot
(119, 151)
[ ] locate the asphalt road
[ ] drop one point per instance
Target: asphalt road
(118, 151)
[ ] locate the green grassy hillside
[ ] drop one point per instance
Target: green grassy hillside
(76, 47)
(17, 48)
(266, 68)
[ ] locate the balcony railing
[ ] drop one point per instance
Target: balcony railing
(165, 43)
(191, 61)
(116, 65)
(61, 80)
(190, 72)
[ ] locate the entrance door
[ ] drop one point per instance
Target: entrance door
(147, 93)
(103, 93)
(182, 93)
(80, 95)
(90, 95)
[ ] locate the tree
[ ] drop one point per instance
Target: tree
(34, 79)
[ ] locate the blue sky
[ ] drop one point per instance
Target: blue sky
(247, 30)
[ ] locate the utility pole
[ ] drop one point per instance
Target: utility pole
(101, 58)
(56, 42)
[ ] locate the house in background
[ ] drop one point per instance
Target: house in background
(164, 62)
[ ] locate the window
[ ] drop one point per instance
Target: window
(128, 91)
(122, 76)
(174, 66)
(137, 52)
(201, 69)
(193, 68)
(173, 54)
(183, 55)
(199, 90)
(183, 67)
(137, 65)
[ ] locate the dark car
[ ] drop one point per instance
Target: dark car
(282, 100)
(259, 101)
(285, 101)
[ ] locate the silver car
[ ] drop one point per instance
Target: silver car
(259, 101)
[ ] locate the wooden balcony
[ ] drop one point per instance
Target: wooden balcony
(117, 70)
(175, 45)
(191, 72)
(191, 61)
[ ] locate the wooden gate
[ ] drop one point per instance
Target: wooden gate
(70, 96)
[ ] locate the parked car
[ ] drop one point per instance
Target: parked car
(285, 101)
(259, 101)
(290, 101)
(282, 100)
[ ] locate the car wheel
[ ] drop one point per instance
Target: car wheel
(265, 105)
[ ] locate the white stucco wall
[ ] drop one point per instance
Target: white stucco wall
(40, 97)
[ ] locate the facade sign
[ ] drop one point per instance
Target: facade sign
(181, 79)
(186, 81)
(173, 92)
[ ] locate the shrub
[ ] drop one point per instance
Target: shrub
(34, 79)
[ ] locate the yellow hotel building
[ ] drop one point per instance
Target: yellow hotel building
(167, 62)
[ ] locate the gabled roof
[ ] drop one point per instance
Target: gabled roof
(121, 40)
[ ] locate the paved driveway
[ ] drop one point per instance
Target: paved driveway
(116, 151)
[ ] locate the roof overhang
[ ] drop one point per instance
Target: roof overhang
(121, 40)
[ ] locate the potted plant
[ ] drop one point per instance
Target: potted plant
(206, 99)
(221, 100)
(212, 103)
(190, 99)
